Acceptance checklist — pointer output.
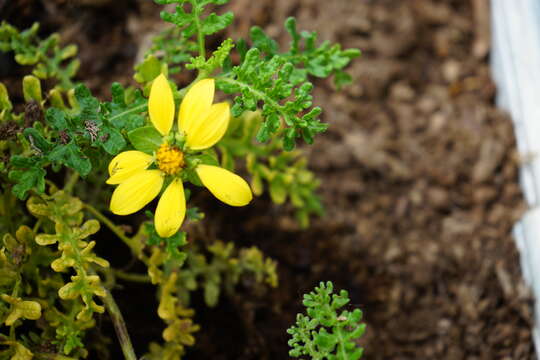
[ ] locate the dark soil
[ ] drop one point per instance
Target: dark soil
(419, 173)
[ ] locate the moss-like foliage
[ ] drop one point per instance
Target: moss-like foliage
(327, 332)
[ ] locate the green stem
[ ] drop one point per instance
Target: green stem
(141, 278)
(198, 25)
(37, 225)
(70, 183)
(119, 326)
(14, 294)
(116, 230)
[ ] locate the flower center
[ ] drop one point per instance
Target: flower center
(170, 159)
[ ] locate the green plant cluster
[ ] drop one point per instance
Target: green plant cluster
(77, 137)
(59, 141)
(223, 268)
(48, 58)
(55, 288)
(283, 174)
(327, 331)
(178, 273)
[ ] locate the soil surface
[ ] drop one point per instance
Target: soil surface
(419, 174)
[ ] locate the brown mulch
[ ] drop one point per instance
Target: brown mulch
(419, 174)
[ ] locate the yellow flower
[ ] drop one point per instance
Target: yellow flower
(140, 176)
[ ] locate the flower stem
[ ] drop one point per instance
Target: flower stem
(71, 181)
(198, 25)
(119, 326)
(141, 278)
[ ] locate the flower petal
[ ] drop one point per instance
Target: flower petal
(126, 164)
(197, 102)
(137, 191)
(225, 185)
(211, 129)
(171, 209)
(161, 105)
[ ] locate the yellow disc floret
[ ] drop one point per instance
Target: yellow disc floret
(170, 159)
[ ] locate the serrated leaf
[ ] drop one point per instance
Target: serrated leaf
(214, 23)
(263, 42)
(114, 142)
(32, 178)
(71, 156)
(88, 105)
(37, 140)
(125, 112)
(56, 118)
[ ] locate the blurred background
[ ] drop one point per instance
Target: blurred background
(419, 175)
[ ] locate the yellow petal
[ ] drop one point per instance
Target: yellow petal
(171, 209)
(225, 185)
(211, 129)
(126, 164)
(196, 103)
(137, 191)
(161, 105)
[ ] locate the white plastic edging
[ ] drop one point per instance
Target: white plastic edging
(515, 59)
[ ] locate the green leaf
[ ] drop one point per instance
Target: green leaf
(278, 191)
(71, 156)
(112, 140)
(263, 42)
(5, 103)
(88, 105)
(284, 104)
(326, 333)
(172, 244)
(148, 70)
(57, 118)
(146, 139)
(37, 140)
(208, 159)
(33, 178)
(126, 109)
(193, 22)
(31, 89)
(214, 23)
(215, 61)
(48, 59)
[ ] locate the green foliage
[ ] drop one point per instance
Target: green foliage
(194, 23)
(50, 296)
(55, 287)
(277, 82)
(280, 82)
(146, 139)
(327, 332)
(50, 61)
(75, 252)
(180, 327)
(286, 104)
(215, 61)
(222, 267)
(172, 48)
(171, 244)
(309, 59)
(283, 174)
(78, 137)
